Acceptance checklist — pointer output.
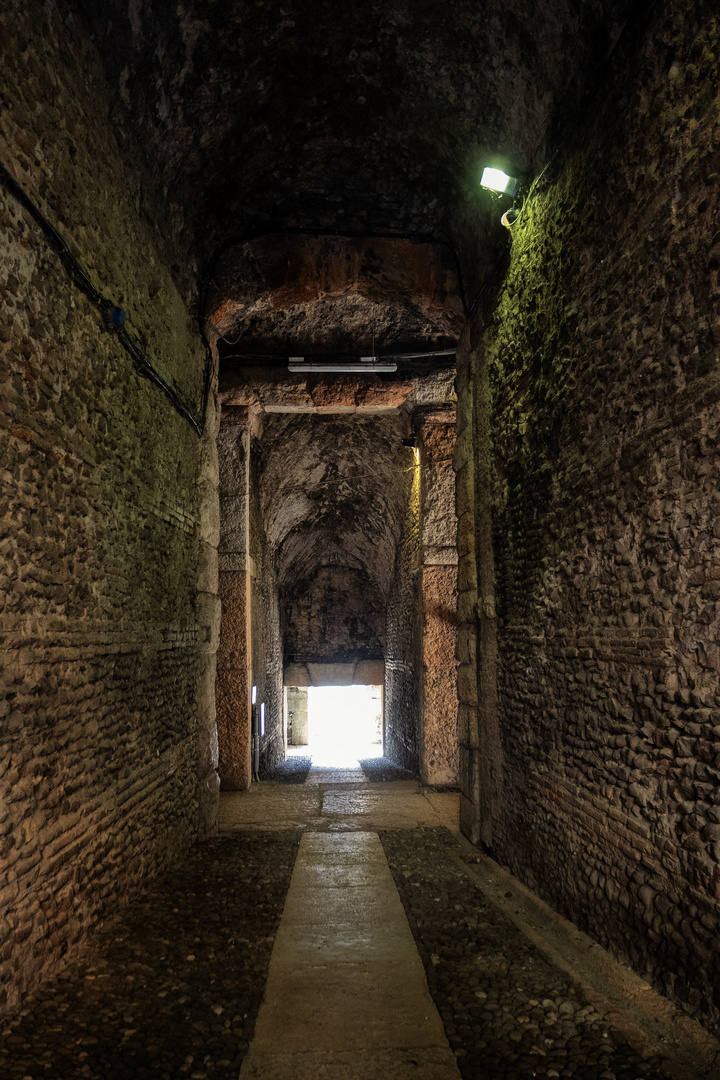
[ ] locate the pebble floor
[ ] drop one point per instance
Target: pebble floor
(508, 1013)
(172, 986)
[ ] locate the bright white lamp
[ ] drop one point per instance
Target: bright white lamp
(497, 180)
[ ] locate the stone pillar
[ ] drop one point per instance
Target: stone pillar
(438, 696)
(297, 705)
(235, 588)
(466, 642)
(209, 623)
(480, 748)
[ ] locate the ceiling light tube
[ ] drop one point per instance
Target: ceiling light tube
(363, 367)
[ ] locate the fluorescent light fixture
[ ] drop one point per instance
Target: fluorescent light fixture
(363, 366)
(497, 180)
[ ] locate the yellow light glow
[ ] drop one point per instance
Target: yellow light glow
(497, 180)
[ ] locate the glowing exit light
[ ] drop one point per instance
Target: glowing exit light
(497, 180)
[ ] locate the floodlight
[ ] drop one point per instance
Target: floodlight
(497, 180)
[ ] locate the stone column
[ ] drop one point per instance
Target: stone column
(235, 588)
(480, 748)
(438, 695)
(209, 622)
(297, 704)
(466, 645)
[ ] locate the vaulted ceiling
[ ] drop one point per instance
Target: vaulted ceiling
(259, 116)
(320, 162)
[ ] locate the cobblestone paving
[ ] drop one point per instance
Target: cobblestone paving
(174, 984)
(509, 1014)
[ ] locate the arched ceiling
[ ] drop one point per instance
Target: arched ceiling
(334, 491)
(298, 294)
(300, 150)
(367, 116)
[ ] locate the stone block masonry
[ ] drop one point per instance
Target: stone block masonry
(597, 370)
(108, 612)
(438, 695)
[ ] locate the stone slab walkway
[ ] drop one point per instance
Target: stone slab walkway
(171, 986)
(339, 801)
(346, 995)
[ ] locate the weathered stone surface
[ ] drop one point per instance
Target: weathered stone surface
(439, 701)
(363, 673)
(597, 407)
(109, 518)
(336, 615)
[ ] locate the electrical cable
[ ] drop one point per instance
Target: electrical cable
(220, 334)
(81, 279)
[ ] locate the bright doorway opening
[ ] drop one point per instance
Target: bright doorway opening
(344, 726)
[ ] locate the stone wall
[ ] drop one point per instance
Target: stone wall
(403, 636)
(236, 572)
(266, 630)
(108, 618)
(337, 615)
(438, 692)
(589, 442)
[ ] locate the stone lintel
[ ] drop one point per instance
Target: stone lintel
(360, 673)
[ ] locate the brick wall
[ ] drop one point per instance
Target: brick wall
(108, 619)
(589, 538)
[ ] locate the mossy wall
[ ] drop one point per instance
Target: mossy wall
(595, 385)
(108, 619)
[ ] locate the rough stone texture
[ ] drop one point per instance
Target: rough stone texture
(108, 619)
(598, 372)
(403, 638)
(438, 694)
(334, 617)
(330, 509)
(376, 120)
(480, 752)
(276, 390)
(234, 660)
(267, 646)
(509, 1013)
(297, 716)
(362, 673)
(365, 296)
(174, 981)
(332, 491)
(250, 652)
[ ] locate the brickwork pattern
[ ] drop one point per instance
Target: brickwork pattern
(602, 365)
(106, 733)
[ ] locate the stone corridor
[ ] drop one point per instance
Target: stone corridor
(371, 347)
(300, 943)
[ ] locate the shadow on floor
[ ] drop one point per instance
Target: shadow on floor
(293, 771)
(381, 768)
